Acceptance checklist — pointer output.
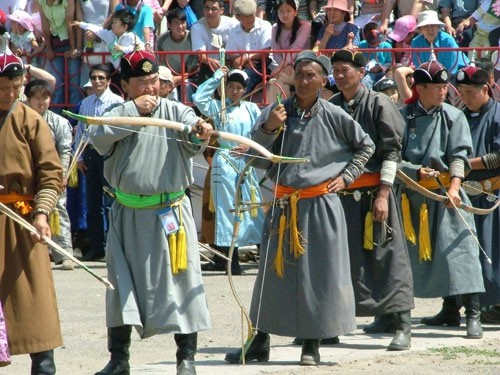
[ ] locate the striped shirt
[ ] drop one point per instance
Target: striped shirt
(94, 106)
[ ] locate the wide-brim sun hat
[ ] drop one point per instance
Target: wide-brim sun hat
(428, 17)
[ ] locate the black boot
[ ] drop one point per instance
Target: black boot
(118, 346)
(219, 263)
(402, 338)
(310, 353)
(258, 350)
(186, 349)
(385, 323)
(449, 314)
(235, 264)
(472, 316)
(43, 363)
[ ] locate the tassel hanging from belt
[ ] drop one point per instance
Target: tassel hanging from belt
(178, 246)
(368, 232)
(54, 222)
(254, 210)
(407, 224)
(73, 177)
(424, 238)
(279, 264)
(23, 207)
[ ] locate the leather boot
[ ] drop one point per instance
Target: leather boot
(310, 353)
(449, 314)
(236, 269)
(258, 350)
(43, 363)
(385, 323)
(472, 316)
(186, 349)
(118, 346)
(402, 338)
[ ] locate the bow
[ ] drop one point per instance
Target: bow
(142, 121)
(403, 177)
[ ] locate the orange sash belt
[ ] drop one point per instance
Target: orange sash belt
(13, 198)
(310, 192)
(431, 183)
(366, 180)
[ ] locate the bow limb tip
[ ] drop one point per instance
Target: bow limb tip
(76, 116)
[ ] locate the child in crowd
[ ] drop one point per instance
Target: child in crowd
(402, 35)
(120, 39)
(378, 62)
(388, 87)
(22, 37)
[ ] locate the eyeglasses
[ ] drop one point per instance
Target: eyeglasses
(98, 78)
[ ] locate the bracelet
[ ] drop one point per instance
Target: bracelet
(40, 211)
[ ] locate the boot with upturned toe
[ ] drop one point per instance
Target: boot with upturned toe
(42, 363)
(310, 353)
(472, 316)
(402, 338)
(385, 323)
(257, 351)
(186, 349)
(118, 346)
(186, 368)
(449, 314)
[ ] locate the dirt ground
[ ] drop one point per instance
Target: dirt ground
(81, 306)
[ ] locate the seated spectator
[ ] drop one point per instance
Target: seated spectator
(22, 37)
(485, 19)
(432, 35)
(488, 66)
(119, 40)
(377, 62)
(333, 34)
(289, 33)
(388, 87)
(369, 11)
(178, 38)
(166, 83)
(453, 13)
(400, 8)
(252, 34)
(402, 35)
(211, 33)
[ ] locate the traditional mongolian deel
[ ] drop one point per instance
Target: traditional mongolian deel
(432, 140)
(314, 297)
(149, 161)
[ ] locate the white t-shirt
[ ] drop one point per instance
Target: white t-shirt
(202, 40)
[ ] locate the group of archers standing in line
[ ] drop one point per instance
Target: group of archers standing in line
(318, 272)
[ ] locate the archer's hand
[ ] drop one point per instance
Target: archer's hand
(336, 185)
(425, 173)
(381, 204)
(42, 226)
(145, 104)
(203, 130)
(276, 119)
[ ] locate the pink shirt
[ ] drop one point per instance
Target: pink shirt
(301, 42)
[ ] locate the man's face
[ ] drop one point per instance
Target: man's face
(166, 87)
(432, 94)
(246, 22)
(99, 81)
(212, 13)
(473, 96)
(430, 32)
(347, 76)
(10, 88)
(146, 85)
(309, 79)
(178, 29)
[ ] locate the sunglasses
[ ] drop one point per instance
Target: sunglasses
(98, 78)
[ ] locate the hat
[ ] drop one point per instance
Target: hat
(351, 56)
(3, 17)
(384, 84)
(165, 74)
(10, 65)
(244, 7)
(472, 75)
(237, 75)
(431, 72)
(337, 4)
(403, 26)
(375, 37)
(138, 64)
(428, 17)
(23, 18)
(311, 56)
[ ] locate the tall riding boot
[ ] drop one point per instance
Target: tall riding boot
(186, 349)
(402, 338)
(43, 363)
(385, 323)
(118, 346)
(310, 353)
(235, 263)
(472, 316)
(258, 350)
(449, 314)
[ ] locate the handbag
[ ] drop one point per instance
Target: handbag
(190, 16)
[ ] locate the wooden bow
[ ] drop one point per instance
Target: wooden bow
(142, 121)
(403, 177)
